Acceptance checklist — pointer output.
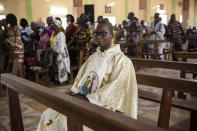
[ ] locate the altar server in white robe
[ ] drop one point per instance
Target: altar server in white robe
(106, 79)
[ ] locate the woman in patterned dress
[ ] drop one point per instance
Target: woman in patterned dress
(85, 36)
(16, 46)
(60, 52)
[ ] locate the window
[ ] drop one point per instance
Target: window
(2, 17)
(112, 19)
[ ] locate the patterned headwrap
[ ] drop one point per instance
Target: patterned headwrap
(57, 23)
(50, 18)
(41, 24)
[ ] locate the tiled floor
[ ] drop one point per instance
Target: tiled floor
(147, 112)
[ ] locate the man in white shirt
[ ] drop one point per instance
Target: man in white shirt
(157, 33)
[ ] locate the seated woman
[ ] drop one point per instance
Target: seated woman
(106, 79)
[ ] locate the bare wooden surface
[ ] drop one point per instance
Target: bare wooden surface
(178, 84)
(74, 125)
(190, 105)
(165, 109)
(16, 121)
(189, 55)
(81, 58)
(88, 114)
(175, 65)
(142, 42)
(76, 48)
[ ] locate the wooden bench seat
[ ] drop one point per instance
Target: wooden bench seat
(37, 73)
(168, 85)
(184, 57)
(73, 68)
(190, 105)
(83, 112)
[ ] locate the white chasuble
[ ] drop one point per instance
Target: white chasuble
(107, 79)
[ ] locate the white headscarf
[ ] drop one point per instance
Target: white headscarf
(57, 23)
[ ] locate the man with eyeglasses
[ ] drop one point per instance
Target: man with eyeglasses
(106, 79)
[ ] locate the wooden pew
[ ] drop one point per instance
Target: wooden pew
(184, 57)
(168, 84)
(1, 69)
(140, 44)
(79, 110)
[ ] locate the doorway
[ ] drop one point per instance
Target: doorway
(89, 10)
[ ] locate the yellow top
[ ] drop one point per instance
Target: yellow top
(52, 39)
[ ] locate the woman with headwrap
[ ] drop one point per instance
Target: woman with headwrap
(35, 36)
(45, 35)
(60, 53)
(49, 22)
(16, 60)
(44, 43)
(84, 36)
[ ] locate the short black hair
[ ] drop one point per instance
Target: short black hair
(11, 19)
(23, 22)
(108, 24)
(72, 18)
(84, 18)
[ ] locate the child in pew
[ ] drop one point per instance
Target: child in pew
(106, 79)
(148, 48)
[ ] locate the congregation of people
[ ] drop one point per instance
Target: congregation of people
(107, 77)
(48, 45)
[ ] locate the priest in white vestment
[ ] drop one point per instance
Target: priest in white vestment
(106, 79)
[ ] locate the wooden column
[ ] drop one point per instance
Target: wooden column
(16, 121)
(165, 108)
(185, 13)
(79, 7)
(143, 10)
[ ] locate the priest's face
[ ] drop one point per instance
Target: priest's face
(103, 36)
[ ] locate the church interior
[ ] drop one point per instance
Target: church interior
(106, 65)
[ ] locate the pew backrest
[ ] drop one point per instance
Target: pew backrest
(86, 113)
